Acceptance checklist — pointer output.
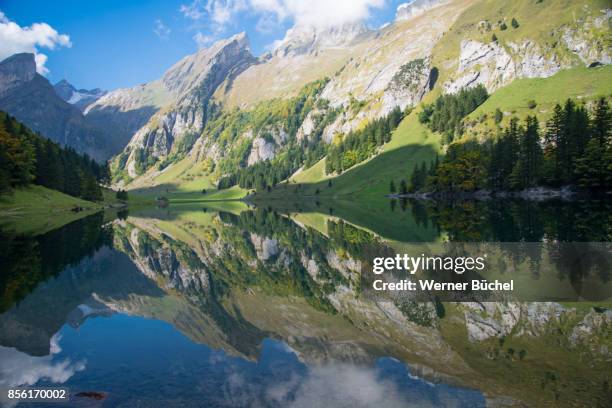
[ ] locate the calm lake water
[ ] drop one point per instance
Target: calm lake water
(237, 307)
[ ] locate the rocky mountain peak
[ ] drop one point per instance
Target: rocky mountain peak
(414, 8)
(64, 89)
(309, 39)
(16, 70)
(81, 98)
(190, 71)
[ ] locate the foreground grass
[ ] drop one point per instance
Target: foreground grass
(36, 209)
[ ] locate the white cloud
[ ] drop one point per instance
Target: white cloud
(318, 13)
(218, 11)
(330, 385)
(19, 369)
(203, 40)
(15, 39)
(271, 13)
(161, 30)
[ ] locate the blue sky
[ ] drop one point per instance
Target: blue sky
(120, 43)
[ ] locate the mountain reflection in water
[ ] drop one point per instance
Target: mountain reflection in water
(189, 306)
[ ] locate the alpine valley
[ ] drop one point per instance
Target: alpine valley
(223, 118)
(329, 105)
(207, 238)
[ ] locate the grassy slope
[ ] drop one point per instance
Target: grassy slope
(536, 23)
(582, 84)
(413, 143)
(36, 209)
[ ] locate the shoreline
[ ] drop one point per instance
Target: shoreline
(536, 194)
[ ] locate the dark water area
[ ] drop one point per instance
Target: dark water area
(196, 306)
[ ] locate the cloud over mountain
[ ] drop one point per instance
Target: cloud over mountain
(319, 14)
(15, 39)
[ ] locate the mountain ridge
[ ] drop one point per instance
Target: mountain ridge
(438, 47)
(81, 98)
(30, 98)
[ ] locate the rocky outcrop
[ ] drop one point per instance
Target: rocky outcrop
(408, 85)
(497, 320)
(266, 144)
(346, 265)
(495, 64)
(486, 320)
(591, 50)
(261, 150)
(308, 125)
(266, 248)
(479, 63)
(180, 269)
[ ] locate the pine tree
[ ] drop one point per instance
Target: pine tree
(504, 155)
(592, 168)
(527, 171)
(554, 144)
(593, 165)
(392, 187)
(602, 119)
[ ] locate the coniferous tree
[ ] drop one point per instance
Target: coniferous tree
(504, 156)
(594, 167)
(26, 157)
(602, 119)
(527, 170)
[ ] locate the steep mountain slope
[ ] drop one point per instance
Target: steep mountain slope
(546, 27)
(32, 100)
(81, 98)
(282, 113)
(305, 55)
(162, 112)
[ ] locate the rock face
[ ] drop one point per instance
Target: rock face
(590, 50)
(485, 320)
(408, 85)
(309, 39)
(261, 150)
(16, 71)
(30, 98)
(191, 82)
(493, 66)
(80, 98)
(266, 248)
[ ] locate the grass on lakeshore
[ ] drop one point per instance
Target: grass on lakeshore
(36, 209)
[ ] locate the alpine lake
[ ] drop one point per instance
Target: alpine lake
(231, 304)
